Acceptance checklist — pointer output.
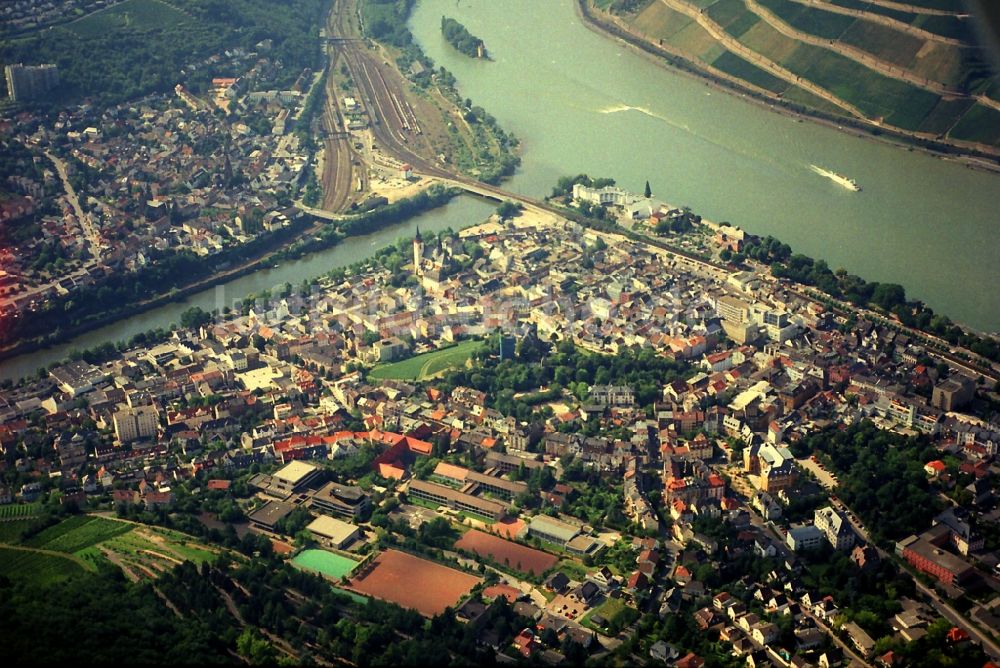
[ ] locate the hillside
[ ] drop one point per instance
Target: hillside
(138, 47)
(914, 68)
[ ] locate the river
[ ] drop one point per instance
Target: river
(580, 102)
(460, 212)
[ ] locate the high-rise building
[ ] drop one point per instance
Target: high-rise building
(30, 82)
(132, 424)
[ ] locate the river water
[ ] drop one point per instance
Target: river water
(580, 102)
(460, 212)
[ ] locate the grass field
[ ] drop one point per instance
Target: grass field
(35, 568)
(572, 569)
(428, 365)
(611, 609)
(15, 510)
(137, 15)
(326, 563)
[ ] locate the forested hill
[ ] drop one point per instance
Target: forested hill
(138, 47)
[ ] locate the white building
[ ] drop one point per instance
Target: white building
(134, 423)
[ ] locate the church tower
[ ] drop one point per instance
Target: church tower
(418, 253)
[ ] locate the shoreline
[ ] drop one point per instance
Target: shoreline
(854, 127)
(279, 246)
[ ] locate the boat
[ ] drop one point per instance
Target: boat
(839, 179)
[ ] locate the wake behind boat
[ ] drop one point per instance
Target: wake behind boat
(839, 179)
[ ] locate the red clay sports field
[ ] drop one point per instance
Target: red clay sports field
(413, 582)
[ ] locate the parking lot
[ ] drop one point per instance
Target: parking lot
(825, 477)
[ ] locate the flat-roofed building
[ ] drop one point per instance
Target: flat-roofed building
(953, 393)
(267, 516)
(507, 489)
(929, 558)
(552, 530)
(804, 538)
(337, 499)
(471, 481)
(455, 499)
(333, 532)
(507, 463)
(292, 478)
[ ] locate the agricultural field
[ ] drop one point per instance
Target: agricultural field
(16, 510)
(879, 97)
(137, 15)
(770, 43)
(946, 26)
(876, 95)
(512, 555)
(428, 365)
(866, 6)
(822, 24)
(980, 124)
(11, 530)
(733, 16)
(81, 542)
(659, 22)
(695, 40)
(732, 64)
(804, 97)
(78, 533)
(945, 115)
(23, 565)
(892, 46)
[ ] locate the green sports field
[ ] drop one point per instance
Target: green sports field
(427, 365)
(326, 563)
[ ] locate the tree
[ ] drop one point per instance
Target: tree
(255, 648)
(648, 192)
(509, 209)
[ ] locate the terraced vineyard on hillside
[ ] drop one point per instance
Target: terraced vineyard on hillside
(911, 67)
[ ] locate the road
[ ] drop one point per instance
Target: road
(89, 229)
(957, 619)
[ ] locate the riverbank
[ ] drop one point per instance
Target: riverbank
(971, 158)
(310, 238)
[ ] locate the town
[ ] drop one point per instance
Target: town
(648, 456)
(592, 428)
